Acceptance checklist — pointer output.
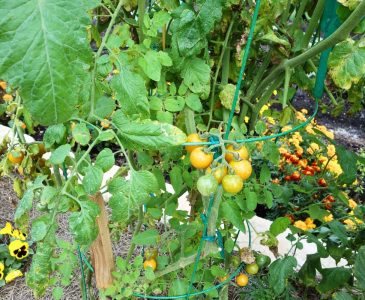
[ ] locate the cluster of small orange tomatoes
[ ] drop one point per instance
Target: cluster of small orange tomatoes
(231, 175)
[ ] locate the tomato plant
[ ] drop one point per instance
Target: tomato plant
(154, 89)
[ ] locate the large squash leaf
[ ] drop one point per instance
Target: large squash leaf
(347, 63)
(45, 53)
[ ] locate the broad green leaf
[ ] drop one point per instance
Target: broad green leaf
(38, 277)
(83, 223)
(333, 278)
(81, 134)
(339, 230)
(92, 179)
(316, 212)
(193, 101)
(279, 225)
(265, 174)
(57, 293)
(106, 135)
(347, 161)
(45, 53)
(268, 198)
(104, 107)
(359, 270)
(174, 104)
(147, 134)
(54, 135)
(105, 159)
(341, 295)
(279, 272)
(40, 227)
(159, 19)
(165, 117)
(231, 212)
(191, 28)
(308, 271)
(58, 156)
(271, 152)
(152, 62)
(196, 74)
(178, 287)
(131, 93)
(155, 103)
(347, 63)
(132, 194)
(146, 238)
(176, 178)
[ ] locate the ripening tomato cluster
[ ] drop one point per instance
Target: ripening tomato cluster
(238, 164)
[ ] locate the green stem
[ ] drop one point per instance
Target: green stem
(209, 247)
(57, 174)
(313, 23)
(136, 231)
(141, 13)
(339, 35)
(286, 86)
(189, 120)
(98, 53)
(285, 15)
(299, 14)
(219, 64)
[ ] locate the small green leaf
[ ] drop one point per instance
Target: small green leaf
(174, 104)
(54, 135)
(106, 135)
(316, 212)
(271, 152)
(92, 179)
(81, 134)
(260, 127)
(339, 230)
(333, 278)
(58, 156)
(265, 174)
(231, 211)
(40, 228)
(196, 74)
(83, 223)
(105, 159)
(193, 101)
(176, 178)
(146, 238)
(279, 225)
(251, 199)
(104, 107)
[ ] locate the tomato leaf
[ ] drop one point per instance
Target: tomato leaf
(45, 52)
(339, 230)
(92, 179)
(54, 135)
(58, 156)
(279, 225)
(231, 211)
(131, 93)
(196, 74)
(81, 134)
(279, 272)
(147, 134)
(333, 278)
(193, 101)
(347, 162)
(83, 223)
(146, 238)
(152, 62)
(359, 270)
(105, 159)
(131, 194)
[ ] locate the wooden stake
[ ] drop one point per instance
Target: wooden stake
(101, 249)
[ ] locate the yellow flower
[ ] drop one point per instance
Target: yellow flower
(301, 225)
(19, 235)
(328, 218)
(247, 119)
(116, 71)
(7, 229)
(1, 270)
(313, 147)
(271, 120)
(350, 225)
(335, 167)
(352, 204)
(286, 128)
(325, 131)
(263, 108)
(275, 92)
(309, 129)
(304, 111)
(18, 249)
(300, 116)
(12, 275)
(331, 150)
(309, 223)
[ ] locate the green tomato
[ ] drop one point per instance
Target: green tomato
(263, 260)
(252, 269)
(207, 185)
(235, 260)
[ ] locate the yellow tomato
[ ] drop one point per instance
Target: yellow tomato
(193, 138)
(218, 173)
(241, 168)
(242, 153)
(200, 159)
(242, 280)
